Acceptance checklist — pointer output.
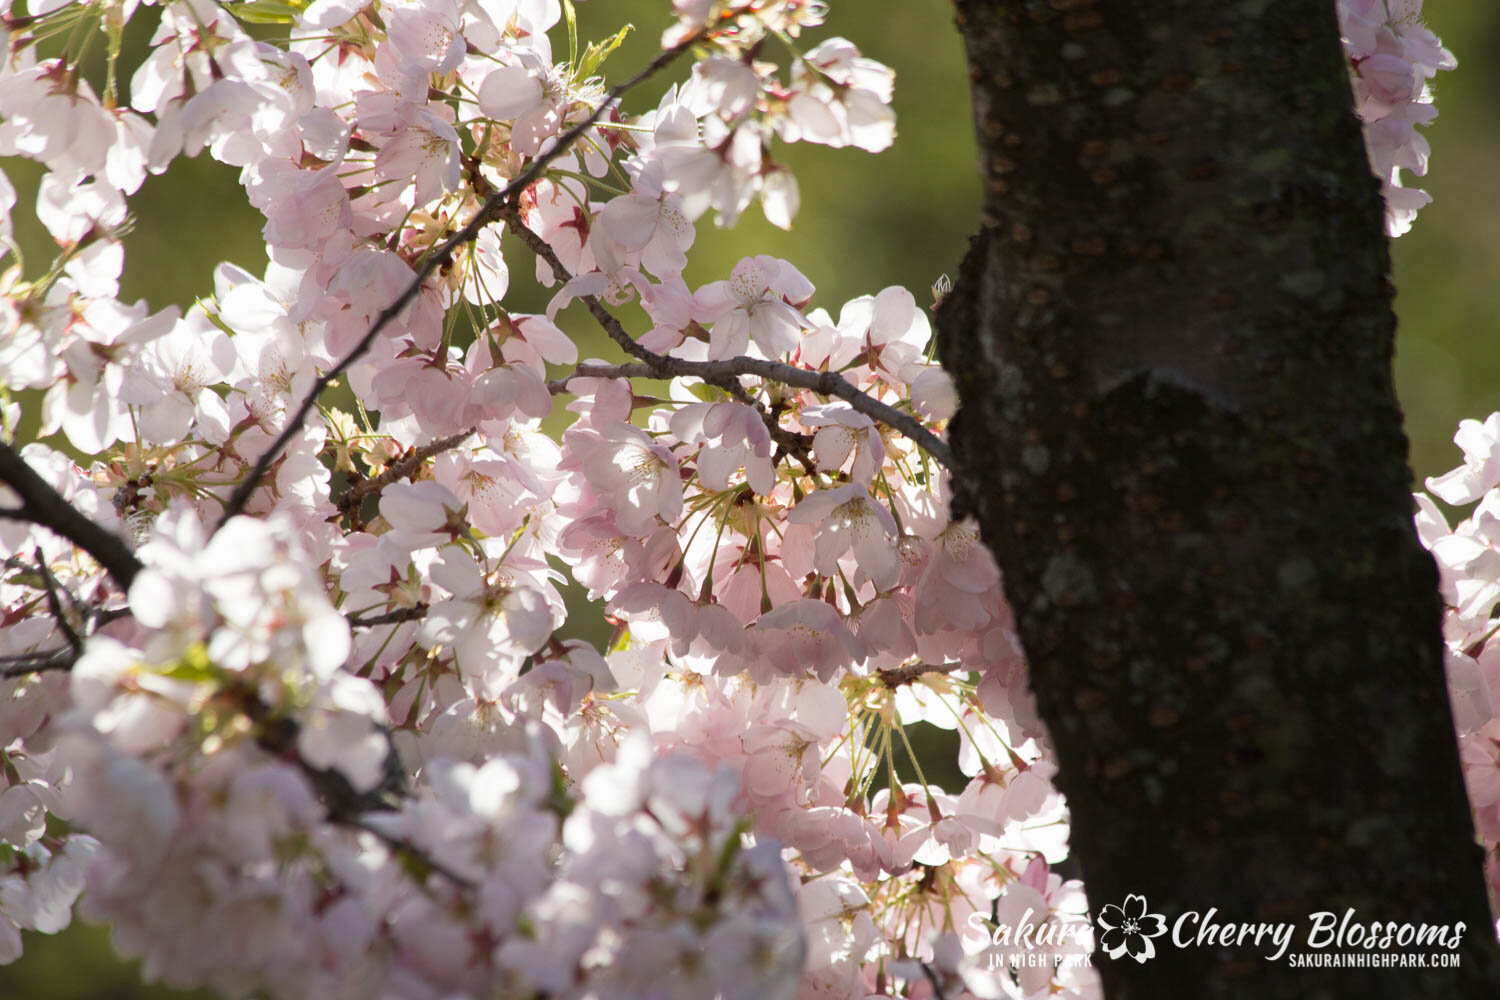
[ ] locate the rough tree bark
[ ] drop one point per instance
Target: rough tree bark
(1173, 343)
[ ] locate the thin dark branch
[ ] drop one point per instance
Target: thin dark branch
(435, 259)
(54, 604)
(101, 617)
(726, 372)
(278, 736)
(937, 987)
(407, 847)
(791, 442)
(511, 213)
(414, 613)
(41, 504)
(21, 664)
(797, 445)
(63, 658)
(35, 662)
(346, 806)
(824, 383)
(894, 677)
(398, 470)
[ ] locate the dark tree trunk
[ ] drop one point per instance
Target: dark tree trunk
(1173, 342)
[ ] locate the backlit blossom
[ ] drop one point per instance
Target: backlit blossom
(850, 521)
(512, 672)
(757, 303)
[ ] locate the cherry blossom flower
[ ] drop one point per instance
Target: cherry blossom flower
(348, 726)
(844, 431)
(735, 438)
(759, 303)
(635, 476)
(424, 149)
(1393, 55)
(532, 94)
(850, 521)
(842, 99)
(1481, 469)
(490, 624)
(806, 636)
(646, 228)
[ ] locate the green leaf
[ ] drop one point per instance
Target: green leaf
(597, 52)
(729, 851)
(572, 16)
(268, 11)
(413, 864)
(707, 393)
(213, 316)
(194, 666)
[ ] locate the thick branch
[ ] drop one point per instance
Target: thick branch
(1172, 342)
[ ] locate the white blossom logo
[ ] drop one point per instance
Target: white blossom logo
(1128, 929)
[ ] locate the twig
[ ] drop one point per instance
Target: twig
(398, 470)
(278, 734)
(21, 664)
(406, 846)
(54, 604)
(823, 383)
(414, 613)
(894, 677)
(797, 445)
(511, 214)
(41, 504)
(937, 987)
(62, 658)
(727, 371)
(435, 259)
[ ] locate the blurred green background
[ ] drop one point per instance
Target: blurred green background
(902, 217)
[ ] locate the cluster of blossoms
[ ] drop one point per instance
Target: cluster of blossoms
(254, 835)
(338, 724)
(1468, 559)
(320, 729)
(1393, 55)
